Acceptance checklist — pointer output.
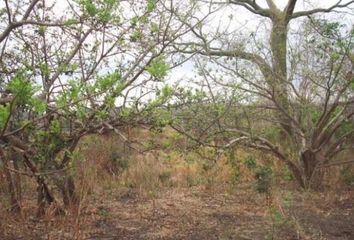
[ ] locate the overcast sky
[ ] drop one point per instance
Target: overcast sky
(244, 21)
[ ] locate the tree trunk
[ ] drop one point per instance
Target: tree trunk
(68, 191)
(313, 177)
(278, 84)
(14, 202)
(297, 173)
(18, 183)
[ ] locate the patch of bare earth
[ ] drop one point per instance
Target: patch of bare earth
(196, 213)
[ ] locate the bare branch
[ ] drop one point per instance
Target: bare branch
(289, 9)
(253, 7)
(321, 10)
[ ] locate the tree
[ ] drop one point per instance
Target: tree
(92, 68)
(300, 88)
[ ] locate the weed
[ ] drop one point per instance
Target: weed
(251, 162)
(103, 212)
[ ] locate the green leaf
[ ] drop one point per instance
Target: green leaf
(22, 88)
(38, 104)
(151, 5)
(158, 68)
(4, 114)
(70, 21)
(89, 7)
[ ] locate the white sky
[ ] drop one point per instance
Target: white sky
(243, 21)
(246, 22)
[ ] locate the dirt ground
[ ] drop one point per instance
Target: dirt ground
(197, 214)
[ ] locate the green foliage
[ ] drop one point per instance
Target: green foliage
(251, 162)
(158, 68)
(89, 7)
(287, 175)
(103, 212)
(329, 29)
(264, 176)
(24, 92)
(70, 21)
(348, 176)
(100, 10)
(4, 114)
(277, 218)
(136, 36)
(119, 163)
(315, 115)
(151, 5)
(271, 132)
(38, 104)
(235, 166)
(345, 128)
(21, 87)
(108, 81)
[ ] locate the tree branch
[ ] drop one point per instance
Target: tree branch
(253, 7)
(289, 9)
(321, 10)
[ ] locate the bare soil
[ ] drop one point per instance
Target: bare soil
(197, 214)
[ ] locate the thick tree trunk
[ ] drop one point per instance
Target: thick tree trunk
(313, 176)
(297, 173)
(278, 84)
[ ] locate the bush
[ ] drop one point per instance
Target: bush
(264, 176)
(118, 163)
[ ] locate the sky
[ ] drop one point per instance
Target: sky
(244, 21)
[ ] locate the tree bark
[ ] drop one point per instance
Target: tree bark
(14, 202)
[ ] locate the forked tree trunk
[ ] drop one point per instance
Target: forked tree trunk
(313, 176)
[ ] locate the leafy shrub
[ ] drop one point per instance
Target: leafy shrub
(118, 163)
(264, 176)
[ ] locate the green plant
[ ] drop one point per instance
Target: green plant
(103, 212)
(264, 176)
(287, 175)
(251, 162)
(348, 176)
(118, 163)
